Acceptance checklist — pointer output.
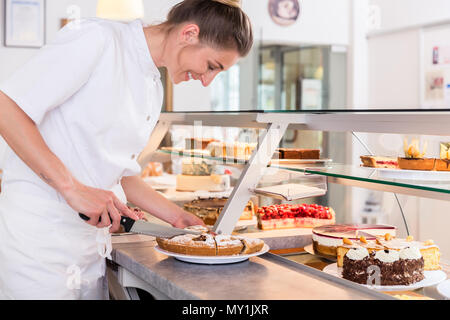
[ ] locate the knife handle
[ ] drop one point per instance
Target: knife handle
(126, 222)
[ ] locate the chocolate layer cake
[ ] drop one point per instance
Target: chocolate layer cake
(384, 267)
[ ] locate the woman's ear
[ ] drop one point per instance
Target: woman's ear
(189, 34)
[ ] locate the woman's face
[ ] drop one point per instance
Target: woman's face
(189, 59)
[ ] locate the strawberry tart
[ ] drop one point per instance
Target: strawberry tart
(285, 216)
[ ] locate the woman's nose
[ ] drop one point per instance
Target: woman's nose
(208, 78)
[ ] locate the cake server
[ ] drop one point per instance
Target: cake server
(149, 228)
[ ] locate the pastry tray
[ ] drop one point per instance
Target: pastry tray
(212, 259)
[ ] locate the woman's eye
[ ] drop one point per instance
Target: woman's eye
(210, 67)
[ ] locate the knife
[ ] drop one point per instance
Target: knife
(148, 228)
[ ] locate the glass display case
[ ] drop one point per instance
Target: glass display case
(336, 184)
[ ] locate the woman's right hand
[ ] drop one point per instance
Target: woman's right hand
(97, 203)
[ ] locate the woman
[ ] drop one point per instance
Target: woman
(77, 116)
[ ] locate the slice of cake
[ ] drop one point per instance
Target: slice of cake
(228, 245)
(292, 153)
(286, 216)
(379, 162)
(251, 245)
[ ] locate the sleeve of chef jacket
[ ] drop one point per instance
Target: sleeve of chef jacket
(58, 70)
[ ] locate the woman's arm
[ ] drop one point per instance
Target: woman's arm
(23, 136)
(143, 196)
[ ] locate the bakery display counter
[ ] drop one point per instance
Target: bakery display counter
(136, 264)
(306, 257)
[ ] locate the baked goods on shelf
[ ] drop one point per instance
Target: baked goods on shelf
(414, 159)
(209, 209)
(238, 150)
(198, 143)
(286, 216)
(152, 169)
(199, 174)
(210, 245)
(379, 162)
(196, 167)
(443, 163)
(402, 267)
(293, 153)
(213, 183)
(327, 238)
(428, 249)
(416, 164)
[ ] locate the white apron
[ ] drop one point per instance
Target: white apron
(48, 252)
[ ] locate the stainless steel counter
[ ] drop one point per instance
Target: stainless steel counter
(265, 277)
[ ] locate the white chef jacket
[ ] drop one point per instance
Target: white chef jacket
(95, 95)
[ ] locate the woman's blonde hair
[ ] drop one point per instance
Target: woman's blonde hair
(222, 23)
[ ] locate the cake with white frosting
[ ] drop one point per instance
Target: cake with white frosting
(428, 249)
(384, 267)
(327, 238)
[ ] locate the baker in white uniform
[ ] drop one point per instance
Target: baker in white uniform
(76, 117)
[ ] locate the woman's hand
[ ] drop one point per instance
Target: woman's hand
(187, 219)
(98, 204)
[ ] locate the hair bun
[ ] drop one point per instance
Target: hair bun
(231, 3)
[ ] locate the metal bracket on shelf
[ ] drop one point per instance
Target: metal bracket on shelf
(251, 173)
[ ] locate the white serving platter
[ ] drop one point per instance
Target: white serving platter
(431, 278)
(212, 259)
(420, 175)
(444, 289)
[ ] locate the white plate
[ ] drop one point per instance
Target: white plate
(420, 175)
(444, 288)
(431, 278)
(212, 259)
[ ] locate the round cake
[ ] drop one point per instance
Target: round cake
(207, 244)
(384, 267)
(327, 238)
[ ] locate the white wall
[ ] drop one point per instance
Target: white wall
(394, 82)
(320, 22)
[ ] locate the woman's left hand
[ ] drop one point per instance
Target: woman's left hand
(187, 219)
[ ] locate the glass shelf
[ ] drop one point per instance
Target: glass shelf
(354, 175)
(362, 175)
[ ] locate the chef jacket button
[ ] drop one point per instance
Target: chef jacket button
(148, 118)
(133, 156)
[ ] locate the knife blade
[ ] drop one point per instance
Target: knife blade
(149, 228)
